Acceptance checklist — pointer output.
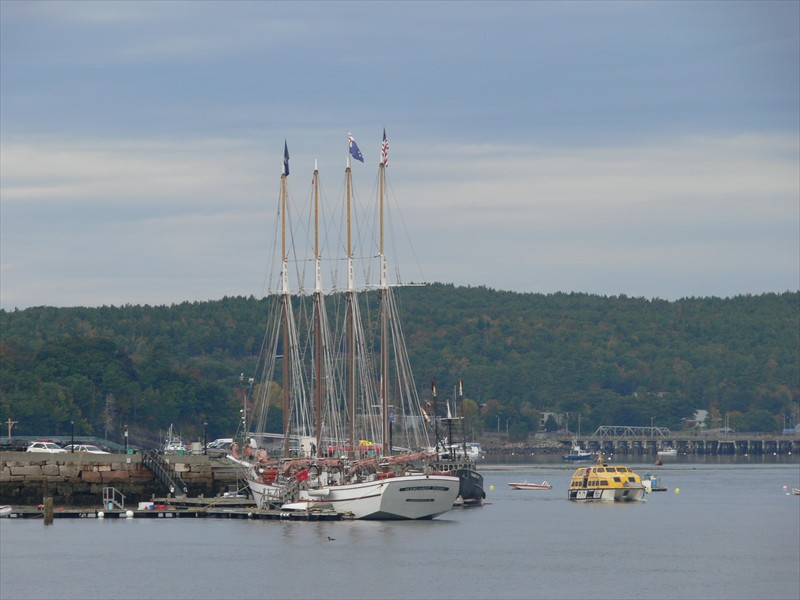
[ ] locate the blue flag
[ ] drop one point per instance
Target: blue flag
(285, 158)
(354, 151)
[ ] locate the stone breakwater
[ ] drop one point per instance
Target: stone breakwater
(78, 479)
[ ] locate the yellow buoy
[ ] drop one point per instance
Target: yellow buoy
(677, 490)
(491, 488)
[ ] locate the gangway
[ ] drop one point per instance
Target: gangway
(113, 497)
(165, 472)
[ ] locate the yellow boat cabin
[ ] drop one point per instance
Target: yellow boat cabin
(604, 482)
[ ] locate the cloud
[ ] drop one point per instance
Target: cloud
(153, 221)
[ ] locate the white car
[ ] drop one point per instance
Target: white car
(48, 447)
(91, 449)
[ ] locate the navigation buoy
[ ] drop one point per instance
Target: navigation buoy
(128, 514)
(677, 490)
(491, 488)
(101, 514)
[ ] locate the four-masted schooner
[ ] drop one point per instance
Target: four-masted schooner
(353, 434)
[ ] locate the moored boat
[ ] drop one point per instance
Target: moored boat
(351, 425)
(578, 453)
(652, 483)
(607, 483)
(457, 458)
(524, 485)
(5, 510)
(668, 451)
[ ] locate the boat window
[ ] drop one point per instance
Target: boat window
(617, 479)
(603, 482)
(622, 469)
(631, 479)
(601, 470)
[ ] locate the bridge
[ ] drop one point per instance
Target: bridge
(649, 440)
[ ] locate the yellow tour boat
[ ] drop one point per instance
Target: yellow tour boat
(607, 483)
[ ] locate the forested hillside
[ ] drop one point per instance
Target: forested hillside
(614, 360)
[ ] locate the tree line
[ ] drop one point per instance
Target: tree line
(612, 360)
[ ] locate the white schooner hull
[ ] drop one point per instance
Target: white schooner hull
(396, 498)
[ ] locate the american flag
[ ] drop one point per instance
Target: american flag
(385, 150)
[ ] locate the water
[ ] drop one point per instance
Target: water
(731, 532)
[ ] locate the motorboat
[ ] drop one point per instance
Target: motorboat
(653, 483)
(668, 451)
(607, 483)
(524, 485)
(578, 453)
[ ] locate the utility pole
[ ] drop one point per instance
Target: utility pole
(10, 424)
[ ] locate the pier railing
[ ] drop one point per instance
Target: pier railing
(112, 496)
(165, 473)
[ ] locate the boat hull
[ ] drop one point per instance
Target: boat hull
(626, 494)
(524, 485)
(411, 497)
(470, 487)
(579, 457)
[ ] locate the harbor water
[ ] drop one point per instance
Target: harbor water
(721, 530)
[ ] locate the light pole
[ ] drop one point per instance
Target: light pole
(126, 438)
(498, 424)
(72, 437)
(205, 437)
(507, 420)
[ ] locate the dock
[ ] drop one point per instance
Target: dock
(175, 512)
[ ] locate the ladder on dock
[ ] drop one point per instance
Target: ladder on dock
(113, 497)
(166, 473)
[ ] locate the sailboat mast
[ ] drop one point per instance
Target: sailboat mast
(318, 392)
(286, 314)
(384, 382)
(351, 299)
(435, 414)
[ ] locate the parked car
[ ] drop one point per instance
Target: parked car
(90, 448)
(48, 447)
(219, 447)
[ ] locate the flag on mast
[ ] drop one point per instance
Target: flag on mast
(354, 151)
(385, 150)
(285, 158)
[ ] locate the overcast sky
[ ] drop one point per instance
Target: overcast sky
(648, 149)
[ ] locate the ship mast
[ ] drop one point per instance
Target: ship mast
(351, 300)
(384, 287)
(318, 392)
(286, 304)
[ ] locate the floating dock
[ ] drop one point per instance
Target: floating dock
(186, 508)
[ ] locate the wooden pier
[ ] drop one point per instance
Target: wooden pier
(174, 512)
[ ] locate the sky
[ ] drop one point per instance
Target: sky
(650, 149)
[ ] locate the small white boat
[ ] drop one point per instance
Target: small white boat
(5, 510)
(796, 491)
(524, 485)
(668, 451)
(308, 506)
